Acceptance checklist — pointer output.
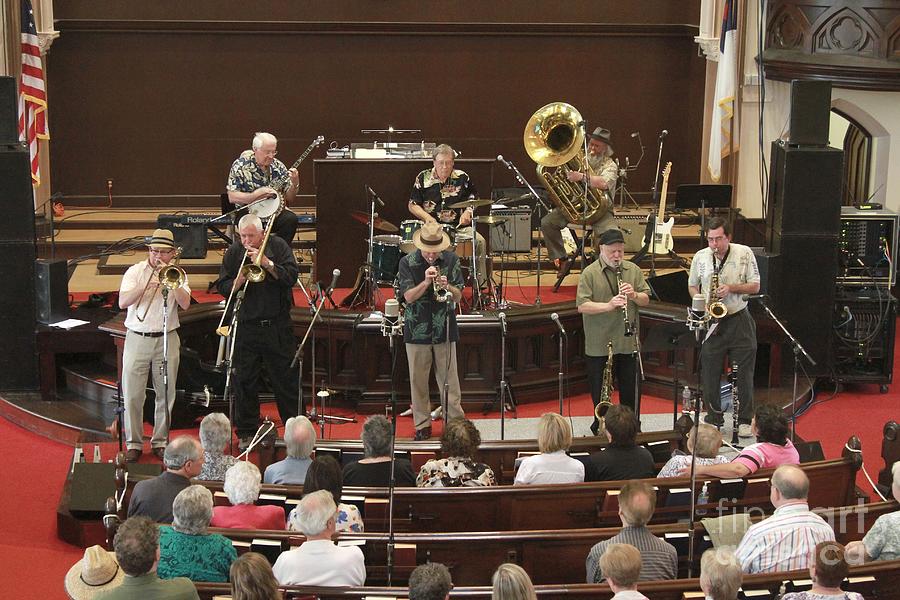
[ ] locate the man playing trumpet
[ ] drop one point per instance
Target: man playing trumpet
(609, 293)
(141, 295)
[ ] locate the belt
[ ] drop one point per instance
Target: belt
(150, 334)
(262, 322)
(732, 315)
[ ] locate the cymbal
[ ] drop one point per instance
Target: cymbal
(474, 203)
(379, 224)
(492, 220)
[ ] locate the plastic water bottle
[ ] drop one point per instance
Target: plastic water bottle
(686, 398)
(703, 497)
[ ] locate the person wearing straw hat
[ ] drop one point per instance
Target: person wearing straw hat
(430, 283)
(604, 171)
(141, 295)
(97, 572)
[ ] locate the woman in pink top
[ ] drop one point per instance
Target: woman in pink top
(242, 483)
(772, 448)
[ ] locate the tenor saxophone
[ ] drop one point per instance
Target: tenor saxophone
(607, 388)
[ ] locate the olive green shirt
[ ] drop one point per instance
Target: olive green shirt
(598, 284)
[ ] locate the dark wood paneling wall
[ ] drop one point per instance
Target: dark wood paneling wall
(161, 97)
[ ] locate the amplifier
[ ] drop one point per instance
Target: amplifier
(633, 228)
(189, 232)
(868, 245)
(515, 234)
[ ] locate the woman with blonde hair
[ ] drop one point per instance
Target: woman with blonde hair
(708, 440)
(552, 465)
(511, 582)
(252, 578)
(720, 574)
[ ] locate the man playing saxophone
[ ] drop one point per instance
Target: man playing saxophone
(608, 287)
(604, 173)
(140, 294)
(734, 334)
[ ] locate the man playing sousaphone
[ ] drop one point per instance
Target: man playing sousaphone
(436, 189)
(605, 172)
(141, 295)
(253, 176)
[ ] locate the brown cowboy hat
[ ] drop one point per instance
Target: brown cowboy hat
(431, 238)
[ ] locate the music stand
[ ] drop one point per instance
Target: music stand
(671, 287)
(670, 337)
(701, 197)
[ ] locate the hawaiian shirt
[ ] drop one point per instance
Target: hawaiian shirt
(455, 472)
(247, 176)
(435, 197)
(425, 319)
(214, 466)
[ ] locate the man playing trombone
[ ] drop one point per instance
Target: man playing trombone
(141, 295)
(264, 336)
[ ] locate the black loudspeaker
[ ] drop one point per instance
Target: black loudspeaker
(769, 265)
(805, 293)
(189, 235)
(16, 197)
(810, 113)
(51, 290)
(93, 483)
(515, 234)
(9, 113)
(804, 190)
(18, 360)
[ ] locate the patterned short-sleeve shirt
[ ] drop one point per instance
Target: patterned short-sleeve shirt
(426, 318)
(246, 175)
(882, 542)
(435, 196)
(455, 472)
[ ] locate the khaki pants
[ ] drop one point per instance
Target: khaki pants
(479, 254)
(144, 356)
(421, 358)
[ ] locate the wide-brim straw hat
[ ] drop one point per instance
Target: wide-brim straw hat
(431, 238)
(97, 572)
(162, 239)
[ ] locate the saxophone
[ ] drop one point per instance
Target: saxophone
(715, 308)
(606, 389)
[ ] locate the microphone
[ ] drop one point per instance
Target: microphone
(377, 199)
(391, 318)
(635, 134)
(747, 297)
(502, 317)
(696, 317)
(663, 133)
(555, 318)
(334, 277)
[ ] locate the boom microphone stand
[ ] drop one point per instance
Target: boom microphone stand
(390, 329)
(650, 232)
(228, 393)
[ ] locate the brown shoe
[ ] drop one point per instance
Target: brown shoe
(133, 455)
(423, 434)
(159, 452)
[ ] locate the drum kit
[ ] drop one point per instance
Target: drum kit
(391, 243)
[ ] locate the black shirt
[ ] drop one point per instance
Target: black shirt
(425, 318)
(378, 474)
(272, 297)
(617, 463)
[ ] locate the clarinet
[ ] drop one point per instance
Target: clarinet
(735, 403)
(629, 328)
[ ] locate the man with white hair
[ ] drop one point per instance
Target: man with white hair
(257, 174)
(153, 497)
(264, 335)
(318, 561)
(300, 440)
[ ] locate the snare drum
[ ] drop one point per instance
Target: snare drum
(407, 229)
(385, 258)
(464, 247)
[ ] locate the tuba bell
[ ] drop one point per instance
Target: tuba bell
(554, 139)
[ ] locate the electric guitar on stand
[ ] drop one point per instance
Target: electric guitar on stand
(661, 242)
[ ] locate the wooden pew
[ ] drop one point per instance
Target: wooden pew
(571, 506)
(873, 580)
(890, 453)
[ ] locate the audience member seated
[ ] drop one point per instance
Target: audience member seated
(430, 581)
(623, 458)
(459, 443)
(252, 578)
(637, 501)
(374, 470)
(720, 573)
(97, 572)
(827, 571)
(786, 540)
(325, 474)
(511, 582)
(882, 542)
(153, 498)
(242, 483)
(552, 465)
(622, 564)
(186, 549)
(215, 433)
(137, 551)
(300, 441)
(709, 440)
(772, 448)
(318, 561)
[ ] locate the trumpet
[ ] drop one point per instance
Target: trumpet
(170, 277)
(629, 327)
(441, 294)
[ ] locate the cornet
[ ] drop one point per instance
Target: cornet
(441, 294)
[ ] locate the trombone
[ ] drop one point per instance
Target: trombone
(170, 277)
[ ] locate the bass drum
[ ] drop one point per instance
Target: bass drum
(407, 229)
(386, 258)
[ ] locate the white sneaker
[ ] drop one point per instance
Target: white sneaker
(744, 430)
(407, 412)
(436, 413)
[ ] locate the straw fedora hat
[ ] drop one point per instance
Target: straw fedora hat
(431, 238)
(162, 239)
(97, 572)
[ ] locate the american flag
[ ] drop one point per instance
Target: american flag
(32, 93)
(720, 143)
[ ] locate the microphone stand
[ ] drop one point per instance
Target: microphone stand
(165, 360)
(227, 393)
(649, 246)
(692, 523)
(560, 375)
(315, 307)
(504, 386)
(445, 393)
(392, 481)
(798, 349)
(540, 203)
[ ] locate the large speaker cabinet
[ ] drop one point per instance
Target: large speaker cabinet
(18, 360)
(16, 197)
